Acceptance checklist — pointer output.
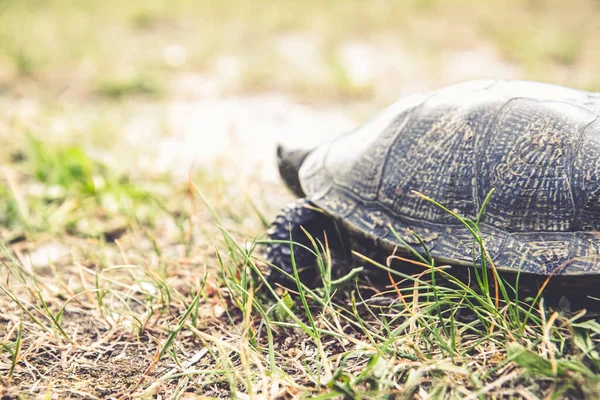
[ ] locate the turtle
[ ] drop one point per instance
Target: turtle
(537, 145)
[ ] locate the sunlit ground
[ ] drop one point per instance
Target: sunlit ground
(138, 143)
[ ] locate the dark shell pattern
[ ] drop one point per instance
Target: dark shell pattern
(537, 145)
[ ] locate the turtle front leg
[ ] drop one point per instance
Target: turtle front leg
(288, 223)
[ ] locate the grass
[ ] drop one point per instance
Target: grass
(121, 87)
(222, 335)
(117, 280)
(56, 53)
(68, 192)
(144, 320)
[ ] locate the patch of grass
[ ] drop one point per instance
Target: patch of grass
(136, 35)
(136, 85)
(161, 294)
(61, 189)
(426, 339)
(221, 329)
(149, 16)
(562, 47)
(345, 87)
(68, 168)
(25, 63)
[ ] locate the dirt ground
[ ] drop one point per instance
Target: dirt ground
(138, 172)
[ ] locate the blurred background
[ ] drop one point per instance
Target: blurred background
(148, 89)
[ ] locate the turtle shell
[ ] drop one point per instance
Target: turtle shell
(536, 145)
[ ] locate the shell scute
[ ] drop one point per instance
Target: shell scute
(536, 145)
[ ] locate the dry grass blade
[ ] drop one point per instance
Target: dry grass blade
(138, 175)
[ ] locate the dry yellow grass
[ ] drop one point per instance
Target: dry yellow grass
(117, 280)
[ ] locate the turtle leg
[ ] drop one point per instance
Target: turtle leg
(288, 223)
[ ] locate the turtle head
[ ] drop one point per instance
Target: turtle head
(289, 162)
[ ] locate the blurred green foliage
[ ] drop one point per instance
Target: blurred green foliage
(68, 167)
(62, 189)
(101, 44)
